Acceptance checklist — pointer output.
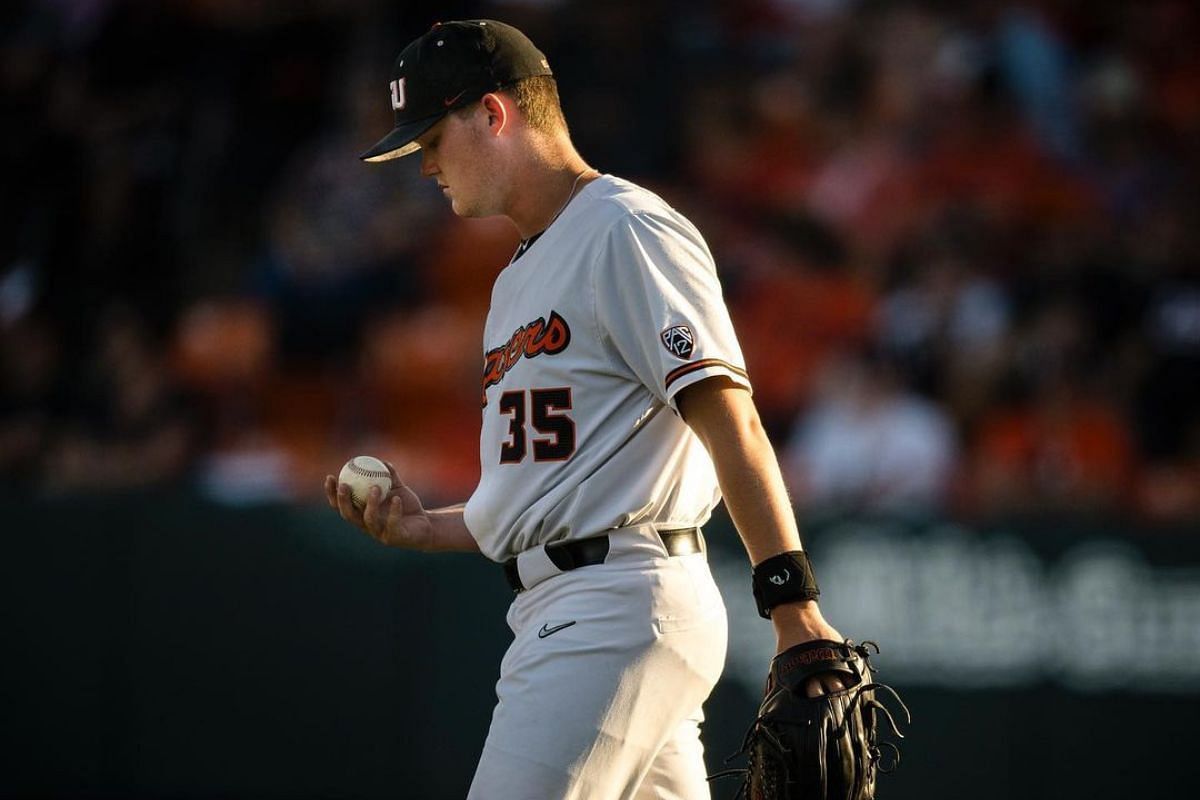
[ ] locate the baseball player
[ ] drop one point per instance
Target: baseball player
(616, 414)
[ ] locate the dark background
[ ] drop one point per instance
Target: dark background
(959, 242)
(160, 646)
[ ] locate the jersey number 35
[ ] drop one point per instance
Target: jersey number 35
(546, 411)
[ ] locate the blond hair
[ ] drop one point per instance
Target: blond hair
(537, 98)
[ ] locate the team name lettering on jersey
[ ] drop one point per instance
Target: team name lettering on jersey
(528, 341)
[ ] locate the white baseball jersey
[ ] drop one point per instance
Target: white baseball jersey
(591, 334)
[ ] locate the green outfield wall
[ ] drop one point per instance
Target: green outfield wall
(161, 646)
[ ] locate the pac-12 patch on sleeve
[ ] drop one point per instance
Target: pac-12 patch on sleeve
(679, 341)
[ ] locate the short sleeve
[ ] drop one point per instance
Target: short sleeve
(659, 302)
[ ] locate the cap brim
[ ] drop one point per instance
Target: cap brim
(400, 142)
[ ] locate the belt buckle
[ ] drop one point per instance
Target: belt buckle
(682, 541)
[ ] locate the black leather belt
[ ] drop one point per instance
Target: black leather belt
(593, 550)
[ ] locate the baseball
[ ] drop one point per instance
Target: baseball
(360, 474)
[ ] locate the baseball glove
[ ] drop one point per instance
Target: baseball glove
(819, 748)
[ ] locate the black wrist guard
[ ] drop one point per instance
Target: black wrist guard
(783, 579)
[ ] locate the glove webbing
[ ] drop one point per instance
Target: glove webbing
(771, 774)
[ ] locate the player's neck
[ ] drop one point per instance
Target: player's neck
(549, 182)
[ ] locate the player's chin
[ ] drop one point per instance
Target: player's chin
(467, 212)
(465, 209)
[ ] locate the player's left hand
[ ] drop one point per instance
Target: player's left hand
(827, 745)
(796, 623)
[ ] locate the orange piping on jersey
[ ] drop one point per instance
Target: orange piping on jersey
(705, 363)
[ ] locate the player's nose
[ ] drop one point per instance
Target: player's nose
(428, 165)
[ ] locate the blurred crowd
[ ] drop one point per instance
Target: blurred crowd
(959, 240)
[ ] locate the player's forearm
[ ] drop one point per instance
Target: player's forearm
(755, 496)
(724, 418)
(449, 531)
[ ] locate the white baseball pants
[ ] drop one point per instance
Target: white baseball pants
(601, 690)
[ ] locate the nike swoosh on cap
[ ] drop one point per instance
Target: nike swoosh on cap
(454, 99)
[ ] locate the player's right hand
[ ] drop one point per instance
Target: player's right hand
(397, 519)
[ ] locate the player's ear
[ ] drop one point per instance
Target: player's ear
(498, 113)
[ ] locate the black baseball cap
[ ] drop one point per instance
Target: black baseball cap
(452, 66)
